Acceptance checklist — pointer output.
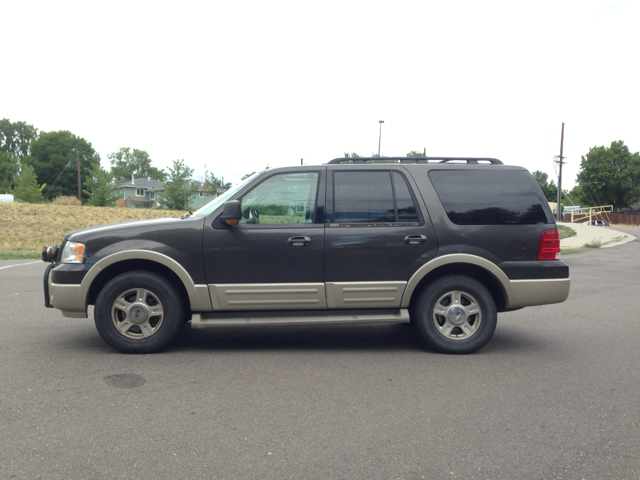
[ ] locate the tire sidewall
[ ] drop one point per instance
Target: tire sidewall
(423, 314)
(166, 293)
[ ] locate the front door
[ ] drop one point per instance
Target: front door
(273, 258)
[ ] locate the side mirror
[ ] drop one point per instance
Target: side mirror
(231, 212)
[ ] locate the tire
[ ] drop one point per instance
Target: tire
(139, 312)
(455, 314)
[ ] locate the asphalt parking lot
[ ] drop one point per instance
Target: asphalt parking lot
(555, 394)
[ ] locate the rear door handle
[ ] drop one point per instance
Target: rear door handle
(415, 239)
(299, 242)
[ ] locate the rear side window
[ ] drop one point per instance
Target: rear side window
(484, 197)
(373, 197)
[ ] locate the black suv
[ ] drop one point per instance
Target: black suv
(442, 243)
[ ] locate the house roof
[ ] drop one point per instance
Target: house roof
(143, 182)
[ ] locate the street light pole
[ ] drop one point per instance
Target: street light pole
(380, 136)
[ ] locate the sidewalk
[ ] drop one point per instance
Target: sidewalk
(608, 236)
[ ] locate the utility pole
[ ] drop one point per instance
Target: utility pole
(79, 179)
(559, 207)
(380, 136)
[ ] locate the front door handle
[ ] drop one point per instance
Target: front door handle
(299, 242)
(415, 239)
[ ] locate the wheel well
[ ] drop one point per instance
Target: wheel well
(483, 276)
(138, 264)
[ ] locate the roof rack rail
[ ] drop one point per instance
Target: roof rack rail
(468, 160)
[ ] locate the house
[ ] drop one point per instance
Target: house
(148, 193)
(140, 193)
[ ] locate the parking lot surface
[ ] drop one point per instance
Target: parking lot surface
(555, 394)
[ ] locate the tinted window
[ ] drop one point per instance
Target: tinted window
(281, 199)
(474, 197)
(368, 197)
(404, 202)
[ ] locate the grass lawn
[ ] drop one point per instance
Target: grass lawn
(566, 232)
(26, 227)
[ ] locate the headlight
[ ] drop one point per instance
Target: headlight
(73, 252)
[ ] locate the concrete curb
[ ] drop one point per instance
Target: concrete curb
(608, 236)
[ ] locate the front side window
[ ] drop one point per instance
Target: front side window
(372, 197)
(288, 198)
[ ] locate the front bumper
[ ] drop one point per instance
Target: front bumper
(67, 298)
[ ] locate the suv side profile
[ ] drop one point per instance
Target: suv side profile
(442, 243)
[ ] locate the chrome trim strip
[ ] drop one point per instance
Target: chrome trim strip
(268, 296)
(364, 294)
(206, 320)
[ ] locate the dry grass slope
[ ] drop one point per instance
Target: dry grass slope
(26, 227)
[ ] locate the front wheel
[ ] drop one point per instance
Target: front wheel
(455, 314)
(138, 312)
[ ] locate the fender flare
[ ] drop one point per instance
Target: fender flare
(428, 267)
(198, 294)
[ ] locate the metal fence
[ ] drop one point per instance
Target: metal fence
(612, 218)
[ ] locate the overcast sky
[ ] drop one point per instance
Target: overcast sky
(239, 85)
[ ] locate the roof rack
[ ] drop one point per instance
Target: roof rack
(468, 160)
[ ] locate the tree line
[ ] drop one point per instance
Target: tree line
(40, 166)
(37, 166)
(607, 176)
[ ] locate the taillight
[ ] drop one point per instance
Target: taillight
(549, 248)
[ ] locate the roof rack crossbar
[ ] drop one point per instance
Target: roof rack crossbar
(468, 160)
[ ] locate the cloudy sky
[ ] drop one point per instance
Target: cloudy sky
(239, 85)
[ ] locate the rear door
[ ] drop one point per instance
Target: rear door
(377, 235)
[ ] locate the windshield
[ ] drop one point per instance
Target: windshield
(213, 204)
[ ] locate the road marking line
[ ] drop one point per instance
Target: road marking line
(18, 264)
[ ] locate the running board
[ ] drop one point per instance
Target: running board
(205, 320)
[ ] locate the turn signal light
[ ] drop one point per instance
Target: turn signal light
(549, 248)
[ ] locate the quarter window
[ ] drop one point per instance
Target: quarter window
(489, 197)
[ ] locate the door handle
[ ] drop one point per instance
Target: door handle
(415, 239)
(299, 242)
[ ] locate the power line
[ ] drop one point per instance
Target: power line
(56, 180)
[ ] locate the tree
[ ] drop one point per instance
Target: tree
(611, 175)
(247, 175)
(101, 187)
(179, 189)
(53, 157)
(26, 186)
(137, 163)
(212, 184)
(415, 153)
(15, 139)
(9, 166)
(549, 189)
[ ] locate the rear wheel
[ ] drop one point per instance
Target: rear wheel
(138, 312)
(455, 314)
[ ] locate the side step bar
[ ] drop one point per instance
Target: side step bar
(205, 320)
